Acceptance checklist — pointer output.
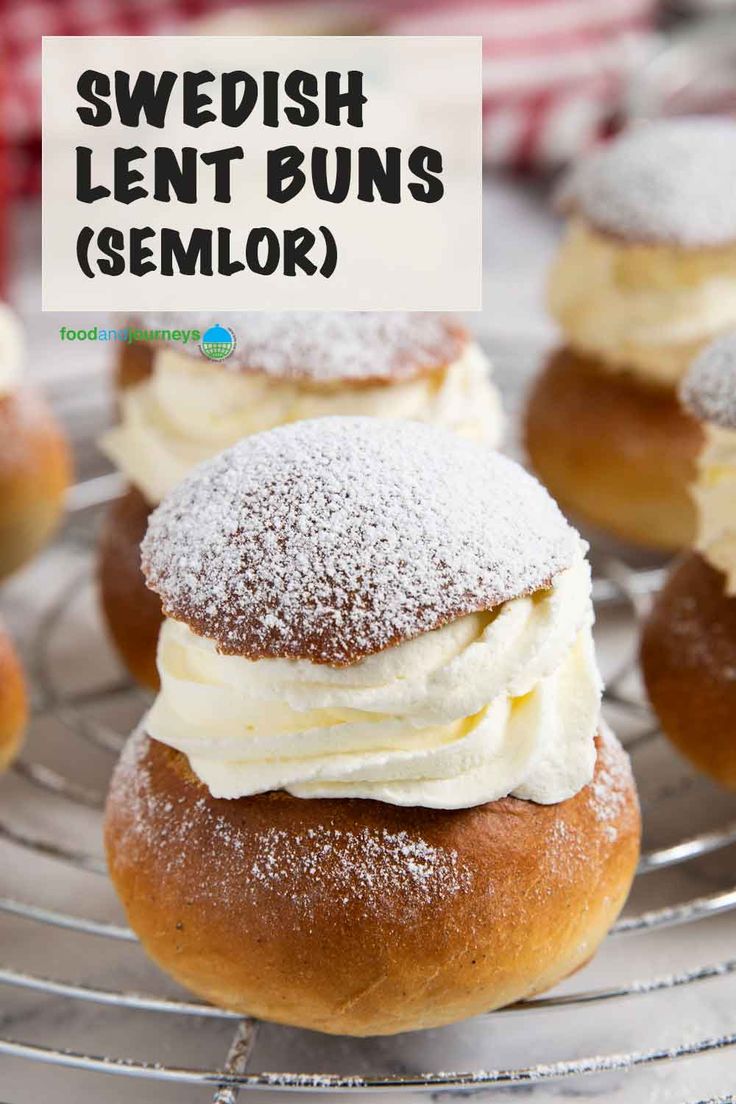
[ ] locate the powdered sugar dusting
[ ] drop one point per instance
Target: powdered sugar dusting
(364, 867)
(709, 388)
(362, 863)
(335, 538)
(611, 784)
(669, 181)
(702, 642)
(327, 346)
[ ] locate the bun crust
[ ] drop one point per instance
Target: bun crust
(132, 611)
(360, 918)
(133, 364)
(332, 539)
(614, 451)
(35, 471)
(688, 657)
(13, 702)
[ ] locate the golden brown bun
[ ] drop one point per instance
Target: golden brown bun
(35, 471)
(13, 702)
(614, 451)
(688, 657)
(133, 364)
(132, 611)
(360, 918)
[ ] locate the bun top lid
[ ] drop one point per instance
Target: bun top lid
(332, 539)
(326, 347)
(663, 182)
(709, 387)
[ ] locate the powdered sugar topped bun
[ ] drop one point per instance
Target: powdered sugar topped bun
(669, 182)
(333, 539)
(328, 347)
(709, 388)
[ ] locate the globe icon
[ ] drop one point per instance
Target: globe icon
(217, 342)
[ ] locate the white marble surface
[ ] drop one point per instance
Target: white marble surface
(519, 240)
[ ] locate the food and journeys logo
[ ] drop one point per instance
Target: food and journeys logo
(218, 342)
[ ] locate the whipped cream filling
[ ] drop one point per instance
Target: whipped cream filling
(715, 497)
(491, 704)
(651, 327)
(188, 411)
(11, 351)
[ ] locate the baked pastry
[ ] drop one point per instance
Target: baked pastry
(13, 701)
(615, 452)
(645, 278)
(178, 409)
(689, 641)
(34, 457)
(396, 622)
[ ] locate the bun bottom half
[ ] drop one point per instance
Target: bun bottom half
(13, 702)
(688, 658)
(614, 451)
(35, 472)
(355, 917)
(132, 612)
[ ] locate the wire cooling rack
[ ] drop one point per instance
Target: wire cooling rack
(620, 594)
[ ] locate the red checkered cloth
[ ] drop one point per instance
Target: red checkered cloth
(553, 69)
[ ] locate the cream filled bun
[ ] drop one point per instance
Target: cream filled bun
(358, 608)
(288, 367)
(646, 275)
(709, 393)
(35, 465)
(396, 621)
(688, 652)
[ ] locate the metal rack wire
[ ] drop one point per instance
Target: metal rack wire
(617, 587)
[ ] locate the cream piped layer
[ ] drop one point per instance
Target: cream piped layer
(647, 308)
(491, 704)
(11, 351)
(188, 411)
(714, 492)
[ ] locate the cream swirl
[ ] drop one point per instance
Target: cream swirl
(647, 308)
(491, 704)
(11, 350)
(714, 492)
(188, 411)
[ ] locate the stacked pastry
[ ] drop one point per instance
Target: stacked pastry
(34, 475)
(397, 622)
(178, 409)
(689, 642)
(34, 458)
(645, 278)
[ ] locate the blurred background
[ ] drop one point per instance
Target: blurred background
(559, 76)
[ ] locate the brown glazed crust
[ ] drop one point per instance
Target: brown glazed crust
(35, 471)
(13, 702)
(132, 611)
(133, 364)
(614, 451)
(242, 902)
(688, 657)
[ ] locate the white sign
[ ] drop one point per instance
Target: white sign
(228, 173)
